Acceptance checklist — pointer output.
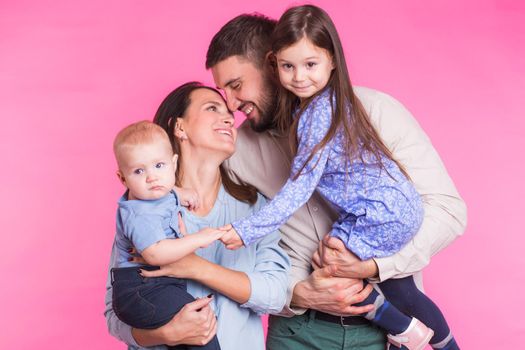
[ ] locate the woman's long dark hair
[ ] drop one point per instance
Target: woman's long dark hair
(313, 23)
(174, 106)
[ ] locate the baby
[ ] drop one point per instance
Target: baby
(147, 221)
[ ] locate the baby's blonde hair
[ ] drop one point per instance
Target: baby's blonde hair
(139, 133)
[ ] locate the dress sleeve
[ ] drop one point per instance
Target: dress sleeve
(116, 327)
(313, 126)
(269, 278)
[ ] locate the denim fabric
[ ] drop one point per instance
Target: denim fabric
(265, 263)
(148, 303)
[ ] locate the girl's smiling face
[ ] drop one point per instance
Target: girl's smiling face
(304, 69)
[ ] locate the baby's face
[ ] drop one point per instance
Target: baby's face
(147, 170)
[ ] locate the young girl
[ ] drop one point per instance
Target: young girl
(339, 153)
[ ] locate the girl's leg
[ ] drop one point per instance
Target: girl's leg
(404, 294)
(385, 315)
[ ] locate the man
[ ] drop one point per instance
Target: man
(318, 301)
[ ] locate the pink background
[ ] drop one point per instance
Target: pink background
(73, 74)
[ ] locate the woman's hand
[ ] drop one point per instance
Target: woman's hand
(194, 324)
(231, 238)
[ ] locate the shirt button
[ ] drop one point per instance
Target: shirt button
(315, 208)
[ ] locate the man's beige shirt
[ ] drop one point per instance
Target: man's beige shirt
(264, 159)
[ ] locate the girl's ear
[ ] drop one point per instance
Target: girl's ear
(121, 177)
(332, 63)
(179, 130)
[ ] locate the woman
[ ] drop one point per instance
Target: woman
(248, 282)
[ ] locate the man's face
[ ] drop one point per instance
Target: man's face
(247, 90)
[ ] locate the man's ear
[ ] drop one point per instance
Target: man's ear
(179, 130)
(272, 61)
(121, 177)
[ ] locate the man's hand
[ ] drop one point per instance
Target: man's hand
(188, 198)
(231, 238)
(194, 324)
(334, 295)
(332, 251)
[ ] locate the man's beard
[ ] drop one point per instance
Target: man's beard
(266, 108)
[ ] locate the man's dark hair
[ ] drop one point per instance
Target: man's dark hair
(247, 35)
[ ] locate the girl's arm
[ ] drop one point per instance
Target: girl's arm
(313, 126)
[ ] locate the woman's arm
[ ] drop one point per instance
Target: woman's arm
(231, 283)
(194, 324)
(116, 327)
(188, 326)
(269, 277)
(262, 288)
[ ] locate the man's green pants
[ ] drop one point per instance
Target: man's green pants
(306, 332)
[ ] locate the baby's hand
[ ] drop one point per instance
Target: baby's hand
(188, 198)
(208, 235)
(231, 238)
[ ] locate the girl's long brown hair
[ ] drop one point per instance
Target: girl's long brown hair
(174, 106)
(360, 136)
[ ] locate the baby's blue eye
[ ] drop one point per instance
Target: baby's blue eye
(159, 165)
(138, 171)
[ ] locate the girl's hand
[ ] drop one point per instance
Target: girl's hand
(231, 238)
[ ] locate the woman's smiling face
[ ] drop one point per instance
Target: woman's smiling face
(208, 124)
